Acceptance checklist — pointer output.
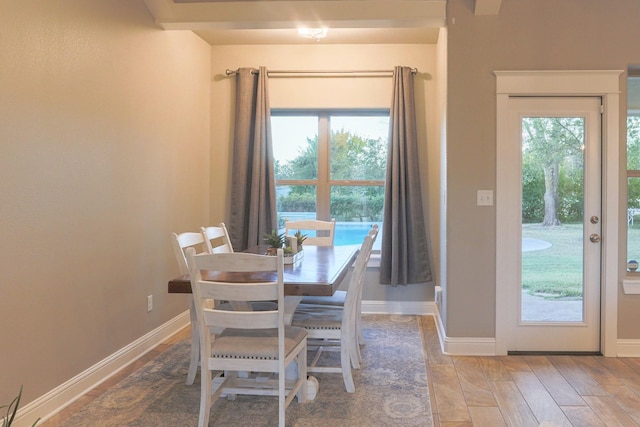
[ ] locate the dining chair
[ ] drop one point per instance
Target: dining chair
(257, 342)
(199, 241)
(333, 328)
(339, 297)
(217, 239)
(319, 233)
(180, 243)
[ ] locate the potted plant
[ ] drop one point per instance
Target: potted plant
(300, 238)
(275, 241)
(12, 409)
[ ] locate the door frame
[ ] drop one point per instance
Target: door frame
(600, 83)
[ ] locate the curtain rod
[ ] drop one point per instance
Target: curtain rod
(330, 73)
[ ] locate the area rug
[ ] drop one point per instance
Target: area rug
(391, 390)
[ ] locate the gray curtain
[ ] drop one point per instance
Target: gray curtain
(405, 251)
(253, 194)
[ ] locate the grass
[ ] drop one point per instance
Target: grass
(555, 272)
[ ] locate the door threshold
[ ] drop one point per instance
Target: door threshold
(554, 353)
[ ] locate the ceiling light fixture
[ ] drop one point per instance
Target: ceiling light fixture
(313, 33)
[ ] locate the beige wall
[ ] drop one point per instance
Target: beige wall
(527, 34)
(104, 150)
(332, 93)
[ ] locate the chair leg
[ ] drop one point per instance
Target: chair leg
(345, 362)
(205, 397)
(195, 345)
(282, 396)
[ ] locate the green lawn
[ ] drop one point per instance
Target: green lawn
(555, 272)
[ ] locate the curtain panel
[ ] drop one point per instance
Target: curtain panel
(253, 195)
(405, 254)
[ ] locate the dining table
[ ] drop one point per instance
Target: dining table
(319, 272)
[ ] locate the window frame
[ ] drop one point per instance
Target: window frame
(633, 74)
(323, 182)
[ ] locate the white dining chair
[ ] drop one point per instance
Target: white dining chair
(334, 327)
(180, 243)
(216, 238)
(250, 341)
(339, 297)
(319, 233)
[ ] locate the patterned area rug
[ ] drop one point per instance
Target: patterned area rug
(391, 390)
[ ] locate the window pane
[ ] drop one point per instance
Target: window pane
(295, 146)
(633, 223)
(359, 147)
(295, 202)
(357, 203)
(633, 143)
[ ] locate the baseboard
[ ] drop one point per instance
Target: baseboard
(486, 346)
(468, 346)
(62, 396)
(628, 348)
(399, 307)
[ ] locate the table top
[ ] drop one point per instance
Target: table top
(318, 273)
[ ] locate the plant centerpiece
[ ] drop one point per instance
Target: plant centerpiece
(275, 241)
(300, 238)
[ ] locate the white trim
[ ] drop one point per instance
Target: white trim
(629, 348)
(422, 308)
(65, 394)
(468, 346)
(631, 286)
(603, 83)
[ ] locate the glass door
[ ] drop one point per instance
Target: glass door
(559, 304)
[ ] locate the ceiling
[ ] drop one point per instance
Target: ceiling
(276, 21)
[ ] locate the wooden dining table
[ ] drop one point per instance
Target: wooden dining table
(319, 273)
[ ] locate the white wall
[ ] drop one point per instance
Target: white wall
(104, 145)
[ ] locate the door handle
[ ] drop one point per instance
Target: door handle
(595, 238)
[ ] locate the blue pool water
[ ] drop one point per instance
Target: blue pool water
(353, 233)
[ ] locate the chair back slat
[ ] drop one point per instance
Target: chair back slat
(237, 262)
(241, 319)
(222, 291)
(319, 233)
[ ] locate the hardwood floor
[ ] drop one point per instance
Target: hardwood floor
(516, 391)
(523, 391)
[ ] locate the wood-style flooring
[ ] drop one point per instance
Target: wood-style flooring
(524, 391)
(516, 391)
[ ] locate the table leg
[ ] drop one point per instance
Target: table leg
(290, 304)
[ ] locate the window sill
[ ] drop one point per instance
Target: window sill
(631, 286)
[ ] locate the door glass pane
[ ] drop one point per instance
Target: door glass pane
(552, 219)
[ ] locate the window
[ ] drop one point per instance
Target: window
(633, 172)
(331, 164)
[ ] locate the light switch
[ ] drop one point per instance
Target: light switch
(485, 197)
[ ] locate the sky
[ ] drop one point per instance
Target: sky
(291, 133)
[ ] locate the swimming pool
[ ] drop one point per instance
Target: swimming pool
(353, 233)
